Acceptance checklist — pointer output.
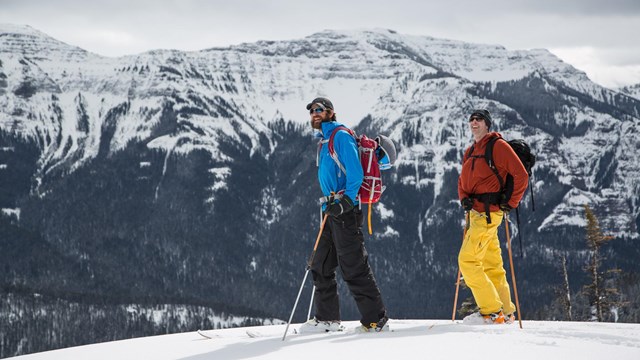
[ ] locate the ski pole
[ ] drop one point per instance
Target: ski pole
(313, 291)
(455, 299)
(513, 273)
(306, 273)
(519, 232)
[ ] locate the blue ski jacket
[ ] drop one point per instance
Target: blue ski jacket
(331, 178)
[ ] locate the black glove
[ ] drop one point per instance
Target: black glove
(467, 204)
(340, 206)
(505, 207)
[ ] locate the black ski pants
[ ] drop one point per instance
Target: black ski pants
(342, 244)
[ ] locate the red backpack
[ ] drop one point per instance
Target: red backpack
(371, 188)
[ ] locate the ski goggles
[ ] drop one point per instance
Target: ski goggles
(383, 160)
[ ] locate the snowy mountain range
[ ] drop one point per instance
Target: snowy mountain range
(173, 177)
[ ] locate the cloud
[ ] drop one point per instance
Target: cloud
(107, 36)
(597, 64)
(577, 8)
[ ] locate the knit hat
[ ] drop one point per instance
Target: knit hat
(484, 114)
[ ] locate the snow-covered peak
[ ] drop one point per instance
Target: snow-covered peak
(447, 54)
(23, 40)
(17, 31)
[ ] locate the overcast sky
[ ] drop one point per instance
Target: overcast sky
(600, 37)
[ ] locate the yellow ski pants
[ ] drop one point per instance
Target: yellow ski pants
(480, 262)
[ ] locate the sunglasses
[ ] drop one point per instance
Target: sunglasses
(478, 119)
(316, 110)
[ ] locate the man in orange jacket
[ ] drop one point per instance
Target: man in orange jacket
(483, 198)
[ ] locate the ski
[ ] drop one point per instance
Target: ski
(202, 333)
(253, 334)
(250, 333)
(257, 334)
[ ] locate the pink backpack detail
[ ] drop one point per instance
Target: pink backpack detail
(371, 188)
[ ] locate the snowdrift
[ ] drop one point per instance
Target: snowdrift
(408, 339)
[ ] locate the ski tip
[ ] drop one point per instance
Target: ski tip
(201, 333)
(252, 334)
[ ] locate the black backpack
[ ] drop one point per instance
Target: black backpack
(528, 159)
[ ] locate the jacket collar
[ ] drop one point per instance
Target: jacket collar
(483, 142)
(328, 127)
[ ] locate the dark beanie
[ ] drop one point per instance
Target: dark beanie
(482, 113)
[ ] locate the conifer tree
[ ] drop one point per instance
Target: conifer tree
(599, 296)
(565, 291)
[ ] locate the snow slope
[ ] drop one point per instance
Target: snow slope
(409, 339)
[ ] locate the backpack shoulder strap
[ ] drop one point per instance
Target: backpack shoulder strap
(332, 151)
(469, 151)
(488, 156)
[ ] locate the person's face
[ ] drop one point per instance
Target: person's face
(319, 114)
(478, 127)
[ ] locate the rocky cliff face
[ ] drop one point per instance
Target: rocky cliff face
(632, 90)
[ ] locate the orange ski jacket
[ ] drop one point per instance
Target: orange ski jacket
(477, 177)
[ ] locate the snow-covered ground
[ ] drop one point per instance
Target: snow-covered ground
(408, 339)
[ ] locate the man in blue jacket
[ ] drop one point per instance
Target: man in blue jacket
(342, 242)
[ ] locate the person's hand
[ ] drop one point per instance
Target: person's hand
(339, 206)
(467, 204)
(505, 207)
